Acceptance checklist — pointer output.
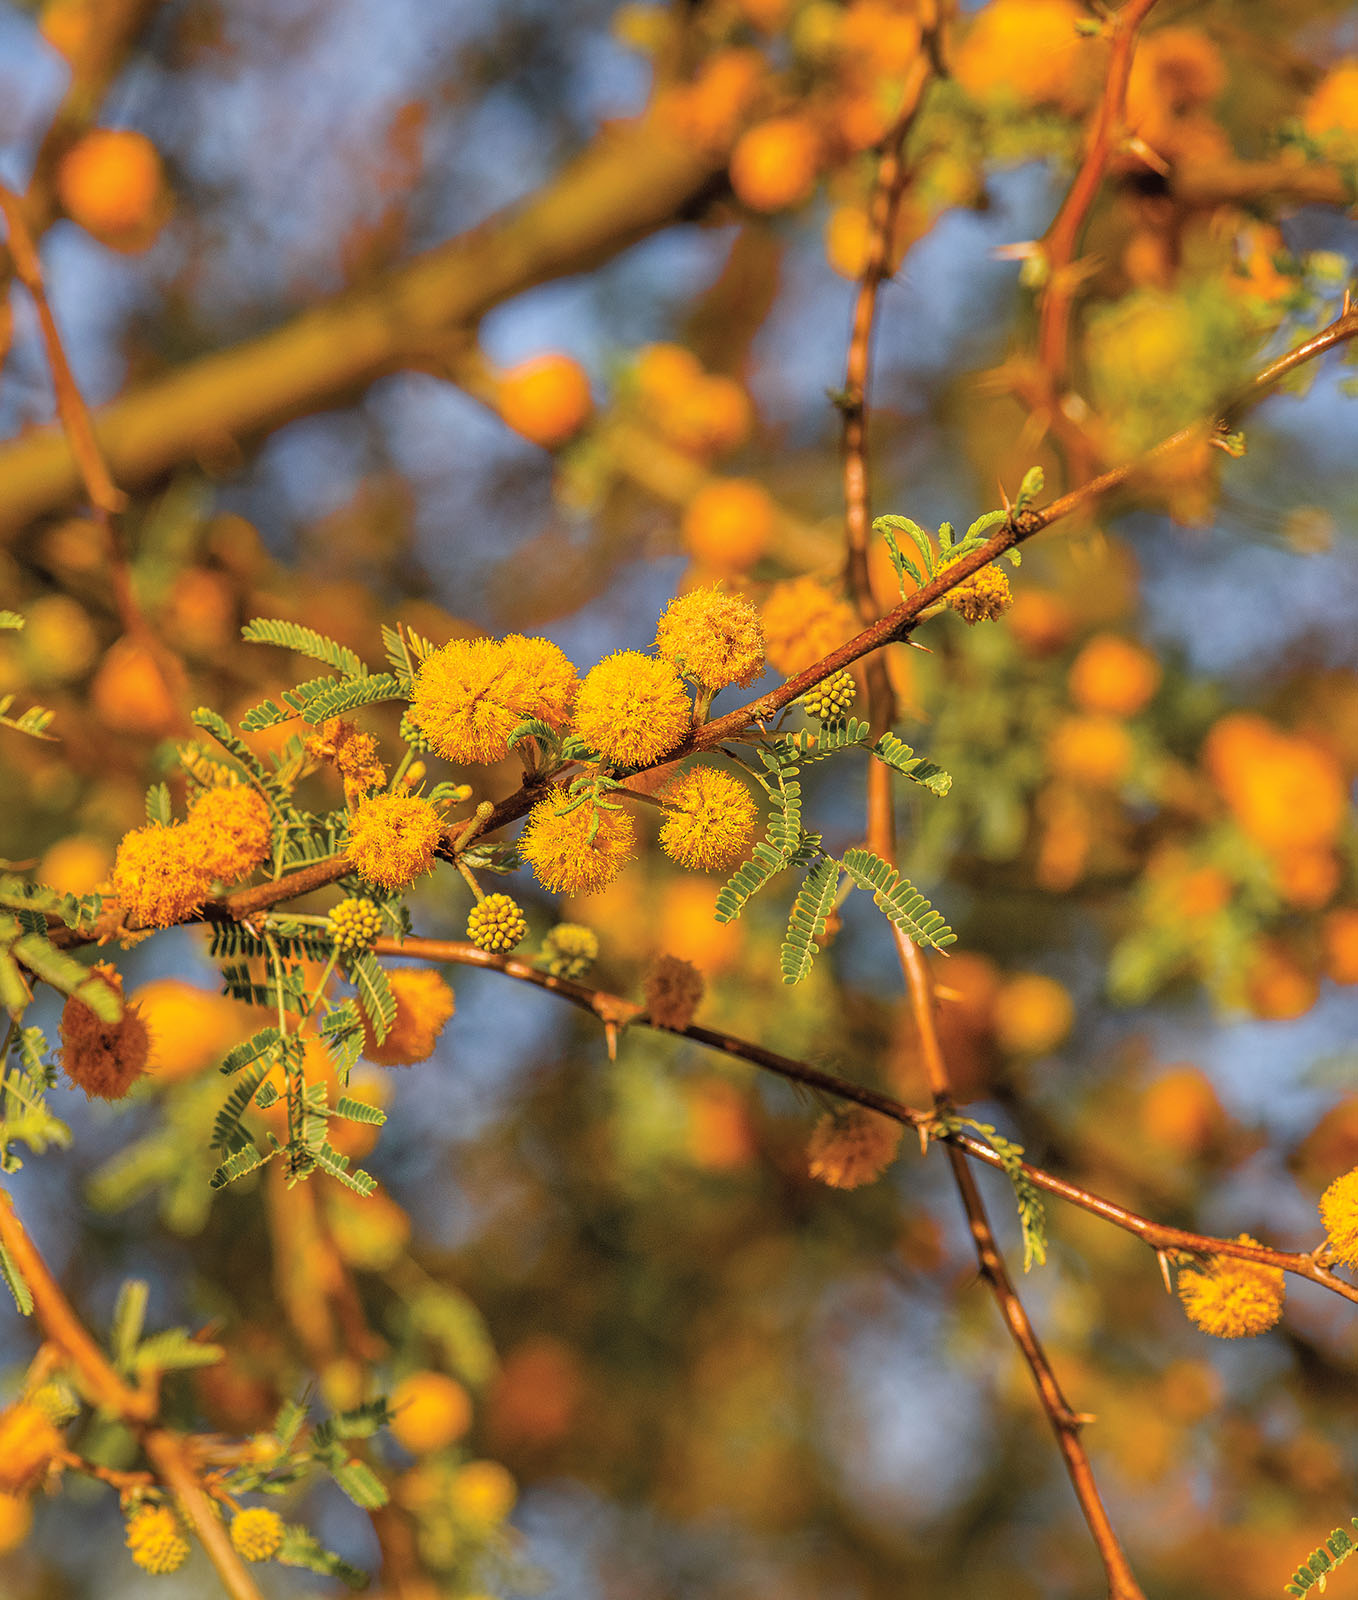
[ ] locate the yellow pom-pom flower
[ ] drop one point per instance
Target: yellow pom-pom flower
(853, 1147)
(104, 1058)
(713, 637)
(159, 876)
(482, 1492)
(569, 950)
(233, 830)
(537, 680)
(156, 1541)
(982, 597)
(429, 1411)
(392, 839)
(1231, 1298)
(710, 820)
(832, 697)
(1339, 1213)
(497, 923)
(803, 622)
(632, 709)
(355, 923)
(459, 704)
(28, 1441)
(579, 851)
(424, 1002)
(257, 1533)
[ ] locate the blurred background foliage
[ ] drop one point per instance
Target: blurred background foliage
(694, 1369)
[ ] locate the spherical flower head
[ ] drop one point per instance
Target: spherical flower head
(103, 1058)
(713, 637)
(1113, 676)
(710, 820)
(852, 1147)
(355, 923)
(233, 830)
(983, 597)
(392, 839)
(159, 876)
(632, 709)
(459, 701)
(156, 1541)
(482, 1492)
(1093, 751)
(257, 1533)
(424, 1002)
(803, 621)
(579, 851)
(496, 923)
(569, 950)
(28, 1441)
(1233, 1299)
(1339, 1213)
(674, 991)
(832, 697)
(537, 680)
(430, 1411)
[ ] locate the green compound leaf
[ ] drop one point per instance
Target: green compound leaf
(898, 899)
(330, 1160)
(238, 1165)
(14, 1281)
(814, 901)
(159, 809)
(827, 740)
(323, 698)
(306, 642)
(249, 1050)
(265, 715)
(1031, 1212)
(888, 527)
(301, 1548)
(226, 1130)
(359, 1111)
(210, 722)
(174, 1350)
(899, 756)
(374, 993)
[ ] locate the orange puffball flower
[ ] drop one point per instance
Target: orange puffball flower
(710, 418)
(1333, 107)
(711, 820)
(104, 1058)
(713, 637)
(1339, 1213)
(632, 708)
(546, 399)
(159, 877)
(111, 182)
(1032, 1014)
(392, 839)
(129, 693)
(729, 524)
(674, 991)
(1023, 50)
(774, 164)
(1233, 1299)
(579, 851)
(850, 1148)
(234, 831)
(430, 1411)
(1095, 751)
(1114, 676)
(190, 1028)
(28, 1441)
(803, 622)
(424, 1003)
(1286, 792)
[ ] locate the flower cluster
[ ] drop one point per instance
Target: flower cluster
(392, 839)
(257, 1533)
(803, 622)
(28, 1442)
(982, 597)
(1339, 1213)
(496, 923)
(710, 820)
(832, 697)
(355, 923)
(852, 1147)
(104, 1058)
(424, 1002)
(470, 696)
(1231, 1298)
(156, 1540)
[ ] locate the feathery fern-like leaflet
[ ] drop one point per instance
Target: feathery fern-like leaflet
(814, 901)
(898, 899)
(305, 642)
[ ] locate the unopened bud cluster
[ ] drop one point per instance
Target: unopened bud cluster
(496, 924)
